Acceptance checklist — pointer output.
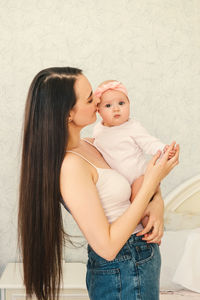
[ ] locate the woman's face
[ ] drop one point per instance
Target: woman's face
(84, 111)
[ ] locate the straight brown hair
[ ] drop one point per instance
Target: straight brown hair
(41, 234)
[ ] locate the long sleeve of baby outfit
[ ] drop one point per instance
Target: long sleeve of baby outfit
(123, 147)
(148, 143)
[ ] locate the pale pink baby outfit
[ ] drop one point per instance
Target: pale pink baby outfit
(124, 146)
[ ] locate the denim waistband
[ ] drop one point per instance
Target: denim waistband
(133, 239)
(125, 250)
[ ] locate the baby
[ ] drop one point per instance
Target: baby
(123, 141)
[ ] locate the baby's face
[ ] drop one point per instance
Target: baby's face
(114, 108)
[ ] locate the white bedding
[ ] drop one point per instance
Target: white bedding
(171, 248)
(180, 247)
(180, 251)
(188, 271)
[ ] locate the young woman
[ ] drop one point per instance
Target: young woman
(57, 164)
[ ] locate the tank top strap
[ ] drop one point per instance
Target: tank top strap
(88, 142)
(82, 157)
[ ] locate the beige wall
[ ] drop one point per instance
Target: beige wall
(152, 46)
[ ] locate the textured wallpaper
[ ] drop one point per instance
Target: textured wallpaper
(152, 46)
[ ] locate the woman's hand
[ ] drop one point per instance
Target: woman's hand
(154, 228)
(157, 170)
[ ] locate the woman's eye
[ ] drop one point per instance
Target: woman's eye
(90, 101)
(121, 102)
(107, 105)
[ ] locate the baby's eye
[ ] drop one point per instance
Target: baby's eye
(121, 103)
(107, 105)
(90, 101)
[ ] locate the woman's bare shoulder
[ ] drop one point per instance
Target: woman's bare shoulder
(72, 162)
(75, 166)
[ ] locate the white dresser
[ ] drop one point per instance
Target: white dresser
(74, 288)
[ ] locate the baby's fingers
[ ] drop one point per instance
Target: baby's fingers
(166, 154)
(171, 154)
(175, 158)
(172, 162)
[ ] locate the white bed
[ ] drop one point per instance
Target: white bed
(180, 247)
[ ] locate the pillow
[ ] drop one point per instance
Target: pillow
(179, 221)
(171, 248)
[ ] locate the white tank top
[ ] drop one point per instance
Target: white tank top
(114, 192)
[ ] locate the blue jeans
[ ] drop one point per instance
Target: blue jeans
(133, 275)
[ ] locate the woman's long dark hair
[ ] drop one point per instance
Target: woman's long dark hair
(40, 228)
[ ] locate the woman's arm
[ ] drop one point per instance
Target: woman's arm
(153, 231)
(80, 194)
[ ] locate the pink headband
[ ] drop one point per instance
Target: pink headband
(113, 85)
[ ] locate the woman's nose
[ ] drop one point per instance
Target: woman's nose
(97, 100)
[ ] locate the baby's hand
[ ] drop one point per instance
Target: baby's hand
(171, 152)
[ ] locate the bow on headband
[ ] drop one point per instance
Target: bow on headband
(113, 85)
